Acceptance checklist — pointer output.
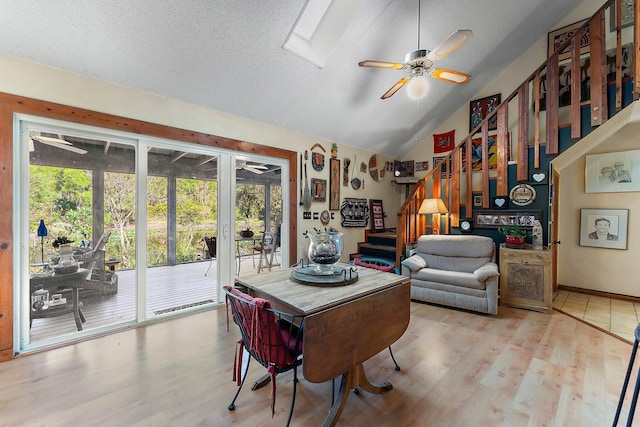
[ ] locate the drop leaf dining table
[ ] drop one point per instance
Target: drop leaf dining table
(343, 326)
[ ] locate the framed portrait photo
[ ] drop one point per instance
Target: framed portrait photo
(604, 228)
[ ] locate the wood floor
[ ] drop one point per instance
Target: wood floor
(519, 368)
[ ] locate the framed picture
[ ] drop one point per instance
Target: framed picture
(480, 108)
(626, 14)
(556, 37)
(402, 169)
(538, 177)
(319, 189)
(377, 216)
(499, 202)
(422, 166)
(436, 164)
(613, 172)
(477, 200)
(498, 218)
(476, 153)
(334, 184)
(604, 228)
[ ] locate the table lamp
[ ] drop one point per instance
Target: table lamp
(42, 233)
(434, 207)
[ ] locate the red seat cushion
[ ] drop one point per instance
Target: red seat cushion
(385, 268)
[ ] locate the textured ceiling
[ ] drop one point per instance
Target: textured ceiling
(227, 55)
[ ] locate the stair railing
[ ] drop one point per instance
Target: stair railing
(539, 93)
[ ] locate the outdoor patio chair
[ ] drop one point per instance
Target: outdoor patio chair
(267, 249)
(273, 338)
(210, 248)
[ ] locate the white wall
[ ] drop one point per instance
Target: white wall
(36, 81)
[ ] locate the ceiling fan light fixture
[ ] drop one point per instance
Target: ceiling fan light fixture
(418, 86)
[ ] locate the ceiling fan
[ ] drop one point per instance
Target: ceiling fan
(254, 167)
(54, 142)
(420, 63)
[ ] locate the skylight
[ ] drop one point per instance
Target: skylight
(319, 27)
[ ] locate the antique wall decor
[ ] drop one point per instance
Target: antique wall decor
(355, 180)
(522, 195)
(319, 189)
(317, 158)
(480, 108)
(334, 184)
(345, 172)
(498, 218)
(604, 228)
(376, 168)
(354, 212)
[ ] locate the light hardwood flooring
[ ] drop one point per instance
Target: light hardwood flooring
(616, 316)
(519, 368)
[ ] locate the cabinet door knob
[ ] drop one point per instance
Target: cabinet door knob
(524, 261)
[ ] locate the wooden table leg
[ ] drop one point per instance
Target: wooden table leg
(352, 380)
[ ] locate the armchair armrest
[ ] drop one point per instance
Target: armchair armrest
(487, 271)
(414, 263)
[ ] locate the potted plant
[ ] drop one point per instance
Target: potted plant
(248, 204)
(514, 235)
(62, 240)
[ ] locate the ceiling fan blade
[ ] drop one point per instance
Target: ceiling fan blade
(381, 64)
(58, 143)
(253, 169)
(396, 87)
(450, 76)
(450, 44)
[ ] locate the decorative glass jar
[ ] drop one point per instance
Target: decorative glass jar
(325, 250)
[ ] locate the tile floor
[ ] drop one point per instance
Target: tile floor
(616, 316)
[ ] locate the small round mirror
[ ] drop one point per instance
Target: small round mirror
(376, 168)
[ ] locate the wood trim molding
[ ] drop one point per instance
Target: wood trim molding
(12, 104)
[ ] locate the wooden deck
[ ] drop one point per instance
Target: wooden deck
(170, 289)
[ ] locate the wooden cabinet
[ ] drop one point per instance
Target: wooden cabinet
(525, 278)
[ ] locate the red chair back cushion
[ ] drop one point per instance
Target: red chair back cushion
(385, 268)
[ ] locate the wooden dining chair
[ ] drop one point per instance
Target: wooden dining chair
(273, 338)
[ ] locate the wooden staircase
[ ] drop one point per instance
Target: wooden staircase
(535, 131)
(378, 245)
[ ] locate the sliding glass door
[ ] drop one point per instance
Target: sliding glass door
(119, 229)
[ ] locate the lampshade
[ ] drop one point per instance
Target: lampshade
(42, 229)
(417, 87)
(432, 206)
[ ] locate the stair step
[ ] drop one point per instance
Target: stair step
(384, 235)
(381, 251)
